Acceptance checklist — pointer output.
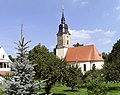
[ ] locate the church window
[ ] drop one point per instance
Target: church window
(67, 42)
(3, 56)
(84, 67)
(1, 65)
(93, 65)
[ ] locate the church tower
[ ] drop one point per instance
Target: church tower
(63, 38)
(63, 35)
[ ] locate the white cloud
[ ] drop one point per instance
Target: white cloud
(105, 41)
(118, 8)
(76, 0)
(107, 37)
(79, 36)
(86, 36)
(52, 47)
(109, 33)
(84, 3)
(91, 31)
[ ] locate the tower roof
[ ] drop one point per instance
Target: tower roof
(63, 18)
(63, 27)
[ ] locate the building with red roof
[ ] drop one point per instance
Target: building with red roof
(84, 56)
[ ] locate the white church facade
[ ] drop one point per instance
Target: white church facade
(4, 62)
(84, 56)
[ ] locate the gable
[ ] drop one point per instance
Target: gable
(3, 56)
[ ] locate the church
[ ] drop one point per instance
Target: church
(84, 56)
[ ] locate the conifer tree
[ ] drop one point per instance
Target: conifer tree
(22, 74)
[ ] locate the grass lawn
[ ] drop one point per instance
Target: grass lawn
(114, 89)
(58, 89)
(1, 92)
(63, 90)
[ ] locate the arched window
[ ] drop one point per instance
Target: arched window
(84, 67)
(67, 42)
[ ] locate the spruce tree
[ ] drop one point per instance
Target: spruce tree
(22, 74)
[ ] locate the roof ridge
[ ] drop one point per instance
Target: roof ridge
(82, 46)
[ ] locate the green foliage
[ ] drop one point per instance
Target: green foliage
(112, 71)
(48, 66)
(11, 58)
(73, 77)
(77, 45)
(96, 86)
(22, 75)
(54, 72)
(22, 47)
(115, 53)
(112, 64)
(39, 56)
(94, 73)
(21, 80)
(94, 81)
(59, 89)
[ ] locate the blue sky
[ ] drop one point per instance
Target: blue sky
(90, 22)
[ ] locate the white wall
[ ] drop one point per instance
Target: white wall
(3, 55)
(4, 69)
(65, 38)
(81, 65)
(61, 52)
(4, 60)
(98, 64)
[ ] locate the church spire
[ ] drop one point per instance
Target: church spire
(63, 18)
(63, 27)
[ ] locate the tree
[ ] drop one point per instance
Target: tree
(22, 73)
(55, 70)
(11, 58)
(115, 53)
(77, 45)
(96, 86)
(22, 47)
(73, 77)
(112, 64)
(94, 81)
(39, 55)
(105, 56)
(48, 66)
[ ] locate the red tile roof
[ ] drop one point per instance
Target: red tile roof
(4, 72)
(83, 54)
